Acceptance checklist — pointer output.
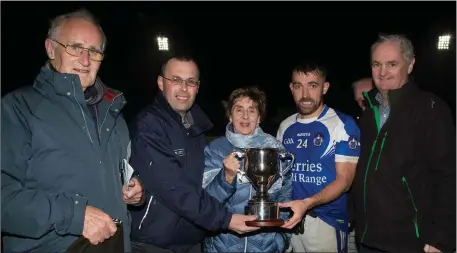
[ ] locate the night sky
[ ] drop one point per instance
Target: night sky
(238, 44)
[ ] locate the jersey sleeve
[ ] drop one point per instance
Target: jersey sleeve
(347, 148)
(285, 124)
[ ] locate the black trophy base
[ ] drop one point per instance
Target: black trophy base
(265, 223)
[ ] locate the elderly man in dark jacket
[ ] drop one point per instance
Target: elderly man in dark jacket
(405, 183)
(63, 142)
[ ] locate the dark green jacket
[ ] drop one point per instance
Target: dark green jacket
(56, 160)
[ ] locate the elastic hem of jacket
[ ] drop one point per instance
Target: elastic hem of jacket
(228, 218)
(76, 225)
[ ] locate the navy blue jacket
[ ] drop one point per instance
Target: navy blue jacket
(170, 161)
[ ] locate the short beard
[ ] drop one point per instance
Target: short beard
(308, 110)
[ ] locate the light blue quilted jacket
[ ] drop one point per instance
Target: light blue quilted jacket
(215, 184)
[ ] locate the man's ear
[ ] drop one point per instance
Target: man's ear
(326, 87)
(411, 65)
(160, 82)
(50, 49)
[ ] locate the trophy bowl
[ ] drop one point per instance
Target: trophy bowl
(262, 168)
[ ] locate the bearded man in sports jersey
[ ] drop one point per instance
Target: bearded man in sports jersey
(326, 146)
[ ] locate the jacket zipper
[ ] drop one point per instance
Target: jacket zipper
(82, 112)
(373, 148)
(365, 188)
(416, 225)
(380, 150)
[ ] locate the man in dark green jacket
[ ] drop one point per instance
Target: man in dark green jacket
(63, 143)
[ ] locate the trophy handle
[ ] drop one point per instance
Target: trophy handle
(239, 155)
(284, 155)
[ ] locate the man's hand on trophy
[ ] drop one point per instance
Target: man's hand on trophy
(238, 223)
(299, 208)
(231, 166)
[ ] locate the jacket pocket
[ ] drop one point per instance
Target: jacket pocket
(415, 221)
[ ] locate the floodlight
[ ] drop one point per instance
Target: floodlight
(162, 43)
(443, 42)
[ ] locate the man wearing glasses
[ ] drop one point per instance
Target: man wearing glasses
(168, 144)
(63, 142)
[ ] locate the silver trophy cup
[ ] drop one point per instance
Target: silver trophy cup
(262, 168)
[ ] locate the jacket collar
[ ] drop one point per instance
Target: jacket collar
(395, 96)
(65, 84)
(201, 122)
(60, 83)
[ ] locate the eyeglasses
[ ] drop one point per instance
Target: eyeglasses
(179, 81)
(78, 51)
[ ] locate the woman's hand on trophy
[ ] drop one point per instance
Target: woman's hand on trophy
(299, 208)
(231, 166)
(238, 223)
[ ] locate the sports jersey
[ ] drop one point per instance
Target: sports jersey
(318, 144)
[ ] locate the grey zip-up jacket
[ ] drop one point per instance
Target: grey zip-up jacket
(56, 159)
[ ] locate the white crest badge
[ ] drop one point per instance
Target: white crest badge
(352, 142)
(318, 140)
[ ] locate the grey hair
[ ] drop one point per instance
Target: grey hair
(83, 14)
(406, 45)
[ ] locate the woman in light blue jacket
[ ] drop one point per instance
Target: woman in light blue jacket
(245, 108)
